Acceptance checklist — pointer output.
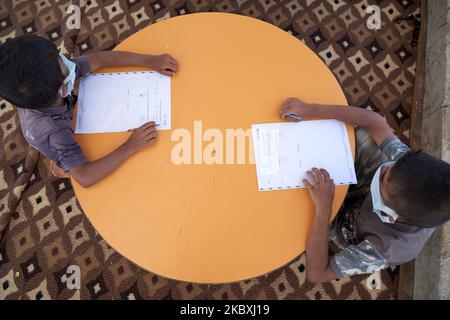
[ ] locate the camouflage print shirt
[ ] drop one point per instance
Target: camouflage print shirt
(49, 130)
(379, 245)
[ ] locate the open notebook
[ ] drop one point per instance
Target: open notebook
(284, 152)
(112, 102)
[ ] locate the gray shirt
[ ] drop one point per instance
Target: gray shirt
(380, 245)
(49, 130)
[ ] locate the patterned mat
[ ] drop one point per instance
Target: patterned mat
(42, 228)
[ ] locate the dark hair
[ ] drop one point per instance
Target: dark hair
(30, 74)
(420, 189)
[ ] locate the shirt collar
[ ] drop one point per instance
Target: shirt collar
(69, 103)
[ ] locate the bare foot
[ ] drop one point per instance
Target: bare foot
(57, 171)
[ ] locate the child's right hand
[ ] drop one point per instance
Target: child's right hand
(297, 108)
(142, 137)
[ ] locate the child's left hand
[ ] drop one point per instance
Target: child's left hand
(57, 171)
(164, 64)
(321, 189)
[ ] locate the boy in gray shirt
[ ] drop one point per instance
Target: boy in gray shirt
(39, 80)
(400, 198)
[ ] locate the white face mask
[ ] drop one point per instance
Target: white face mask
(69, 81)
(386, 214)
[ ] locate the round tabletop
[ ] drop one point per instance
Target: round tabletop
(202, 222)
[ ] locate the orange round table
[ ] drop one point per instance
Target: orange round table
(199, 222)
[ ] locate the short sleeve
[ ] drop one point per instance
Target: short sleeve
(65, 151)
(357, 259)
(83, 66)
(393, 148)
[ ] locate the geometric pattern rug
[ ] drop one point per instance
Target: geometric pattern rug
(43, 230)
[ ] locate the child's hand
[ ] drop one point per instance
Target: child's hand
(297, 108)
(142, 137)
(57, 171)
(164, 64)
(321, 189)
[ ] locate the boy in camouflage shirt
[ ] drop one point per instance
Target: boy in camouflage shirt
(400, 198)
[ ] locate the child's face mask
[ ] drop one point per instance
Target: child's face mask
(69, 81)
(386, 214)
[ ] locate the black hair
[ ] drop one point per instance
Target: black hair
(420, 189)
(30, 73)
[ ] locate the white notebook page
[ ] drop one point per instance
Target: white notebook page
(114, 102)
(284, 152)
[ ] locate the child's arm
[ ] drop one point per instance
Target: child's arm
(374, 124)
(164, 64)
(92, 172)
(321, 190)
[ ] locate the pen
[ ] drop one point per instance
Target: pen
(290, 115)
